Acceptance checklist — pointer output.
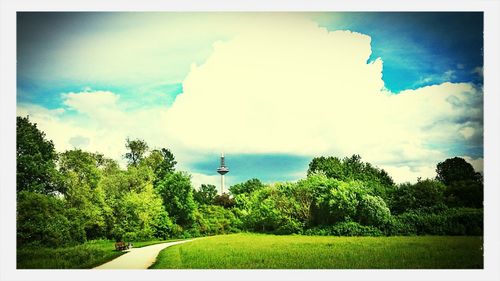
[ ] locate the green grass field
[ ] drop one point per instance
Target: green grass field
(87, 255)
(259, 251)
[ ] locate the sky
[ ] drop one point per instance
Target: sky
(270, 90)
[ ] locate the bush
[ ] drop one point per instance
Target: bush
(41, 220)
(289, 226)
(349, 168)
(456, 221)
(141, 216)
(471, 220)
(270, 210)
(424, 193)
(465, 194)
(345, 229)
(212, 220)
(397, 227)
(177, 193)
(77, 225)
(162, 226)
(373, 211)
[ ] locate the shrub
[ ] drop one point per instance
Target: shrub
(466, 193)
(398, 227)
(334, 201)
(373, 211)
(270, 210)
(41, 220)
(424, 193)
(456, 221)
(289, 226)
(212, 220)
(469, 218)
(162, 225)
(224, 200)
(345, 229)
(77, 225)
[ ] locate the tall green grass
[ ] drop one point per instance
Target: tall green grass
(87, 255)
(259, 251)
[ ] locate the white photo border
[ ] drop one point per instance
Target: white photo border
(491, 9)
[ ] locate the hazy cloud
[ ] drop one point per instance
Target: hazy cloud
(79, 141)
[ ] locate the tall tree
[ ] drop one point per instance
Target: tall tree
(36, 156)
(349, 168)
(41, 220)
(84, 196)
(456, 169)
(177, 194)
(137, 149)
(246, 187)
(224, 200)
(168, 162)
(162, 162)
(465, 186)
(206, 194)
(423, 194)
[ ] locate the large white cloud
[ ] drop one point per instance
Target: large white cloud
(285, 86)
(292, 87)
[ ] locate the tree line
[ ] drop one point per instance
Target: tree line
(75, 196)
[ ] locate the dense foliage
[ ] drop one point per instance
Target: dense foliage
(36, 156)
(456, 169)
(75, 196)
(349, 168)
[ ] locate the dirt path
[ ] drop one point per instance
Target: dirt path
(138, 258)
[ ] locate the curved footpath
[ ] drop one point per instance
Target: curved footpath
(138, 258)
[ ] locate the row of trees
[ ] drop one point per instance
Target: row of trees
(349, 197)
(74, 196)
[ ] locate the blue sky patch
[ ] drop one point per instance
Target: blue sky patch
(267, 167)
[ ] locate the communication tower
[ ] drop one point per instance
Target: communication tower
(222, 170)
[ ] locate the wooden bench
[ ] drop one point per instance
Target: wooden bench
(120, 246)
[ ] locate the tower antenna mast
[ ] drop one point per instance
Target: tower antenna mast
(222, 170)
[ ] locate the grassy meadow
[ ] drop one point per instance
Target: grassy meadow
(260, 251)
(84, 256)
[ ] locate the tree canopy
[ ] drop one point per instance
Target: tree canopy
(349, 168)
(36, 159)
(248, 186)
(137, 149)
(456, 169)
(75, 195)
(206, 194)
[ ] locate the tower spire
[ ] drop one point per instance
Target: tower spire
(222, 170)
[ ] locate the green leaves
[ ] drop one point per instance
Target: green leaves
(455, 169)
(465, 186)
(424, 193)
(137, 149)
(247, 187)
(89, 196)
(36, 156)
(349, 168)
(177, 194)
(41, 220)
(373, 211)
(206, 194)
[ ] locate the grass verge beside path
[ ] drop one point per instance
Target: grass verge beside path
(259, 251)
(87, 255)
